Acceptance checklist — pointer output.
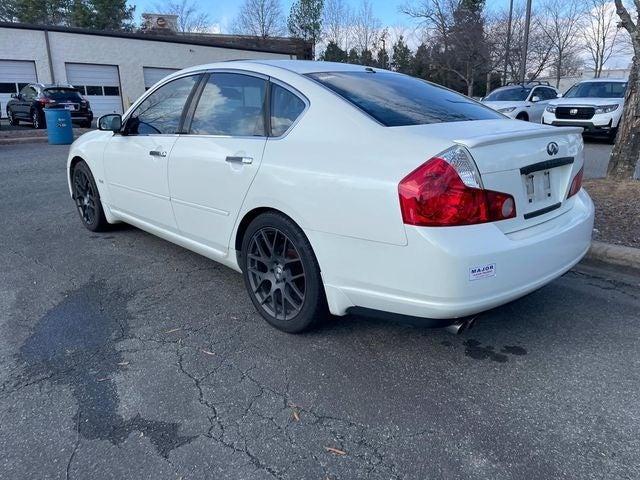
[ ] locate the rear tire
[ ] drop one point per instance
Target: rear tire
(85, 124)
(37, 119)
(87, 198)
(281, 274)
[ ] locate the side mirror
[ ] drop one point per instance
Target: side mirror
(111, 122)
(15, 95)
(559, 95)
(535, 99)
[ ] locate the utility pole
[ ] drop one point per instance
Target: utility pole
(525, 46)
(506, 52)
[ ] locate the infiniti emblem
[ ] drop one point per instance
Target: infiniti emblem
(552, 148)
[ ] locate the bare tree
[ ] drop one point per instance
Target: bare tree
(601, 35)
(365, 27)
(336, 20)
(190, 18)
(263, 18)
(560, 21)
(626, 152)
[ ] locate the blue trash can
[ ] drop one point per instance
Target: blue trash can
(59, 126)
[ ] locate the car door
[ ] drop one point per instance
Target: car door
(27, 96)
(537, 108)
(136, 161)
(212, 166)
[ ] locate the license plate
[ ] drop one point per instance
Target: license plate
(70, 107)
(538, 185)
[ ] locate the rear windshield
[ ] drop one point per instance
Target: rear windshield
(510, 94)
(597, 90)
(398, 100)
(62, 94)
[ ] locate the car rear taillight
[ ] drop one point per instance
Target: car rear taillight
(447, 191)
(576, 183)
(45, 101)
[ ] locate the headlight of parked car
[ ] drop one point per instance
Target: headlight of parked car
(506, 110)
(551, 108)
(607, 108)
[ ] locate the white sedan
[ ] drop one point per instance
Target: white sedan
(341, 188)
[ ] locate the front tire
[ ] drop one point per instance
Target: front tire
(522, 116)
(87, 198)
(611, 138)
(281, 274)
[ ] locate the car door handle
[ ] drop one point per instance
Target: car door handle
(157, 153)
(245, 160)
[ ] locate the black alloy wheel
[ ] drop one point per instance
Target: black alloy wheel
(282, 274)
(87, 198)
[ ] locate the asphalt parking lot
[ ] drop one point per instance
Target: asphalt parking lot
(124, 356)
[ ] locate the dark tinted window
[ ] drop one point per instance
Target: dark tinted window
(546, 93)
(597, 90)
(114, 91)
(285, 108)
(508, 94)
(21, 86)
(60, 94)
(7, 88)
(230, 104)
(93, 90)
(161, 111)
(396, 100)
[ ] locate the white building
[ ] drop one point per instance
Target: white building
(112, 69)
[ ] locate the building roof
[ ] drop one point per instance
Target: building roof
(283, 45)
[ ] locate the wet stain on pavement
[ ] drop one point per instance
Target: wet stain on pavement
(513, 350)
(74, 344)
(475, 350)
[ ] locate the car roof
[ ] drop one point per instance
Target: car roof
(596, 80)
(296, 66)
(53, 85)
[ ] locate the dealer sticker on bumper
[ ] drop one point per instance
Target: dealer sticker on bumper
(482, 271)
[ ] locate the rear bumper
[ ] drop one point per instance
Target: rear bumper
(430, 277)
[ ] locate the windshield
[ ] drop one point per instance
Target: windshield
(597, 90)
(398, 100)
(513, 94)
(61, 94)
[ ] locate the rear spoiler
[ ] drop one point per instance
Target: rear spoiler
(491, 139)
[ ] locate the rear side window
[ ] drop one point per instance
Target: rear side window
(60, 94)
(398, 100)
(286, 107)
(160, 112)
(231, 104)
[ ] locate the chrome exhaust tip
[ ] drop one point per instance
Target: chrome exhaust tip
(460, 326)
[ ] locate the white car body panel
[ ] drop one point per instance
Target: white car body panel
(336, 174)
(512, 109)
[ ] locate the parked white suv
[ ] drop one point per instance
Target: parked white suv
(523, 101)
(596, 105)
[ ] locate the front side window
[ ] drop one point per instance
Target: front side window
(286, 107)
(160, 112)
(231, 104)
(397, 100)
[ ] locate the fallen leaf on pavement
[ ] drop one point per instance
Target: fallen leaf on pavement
(295, 415)
(335, 450)
(208, 352)
(123, 364)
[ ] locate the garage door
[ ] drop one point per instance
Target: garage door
(100, 84)
(14, 74)
(152, 75)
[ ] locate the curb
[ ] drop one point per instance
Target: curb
(18, 140)
(615, 254)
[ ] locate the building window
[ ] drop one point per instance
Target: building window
(93, 90)
(8, 88)
(114, 91)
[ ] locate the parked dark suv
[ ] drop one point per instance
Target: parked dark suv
(28, 105)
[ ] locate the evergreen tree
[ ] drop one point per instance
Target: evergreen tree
(401, 56)
(420, 65)
(382, 58)
(305, 20)
(366, 58)
(353, 56)
(333, 53)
